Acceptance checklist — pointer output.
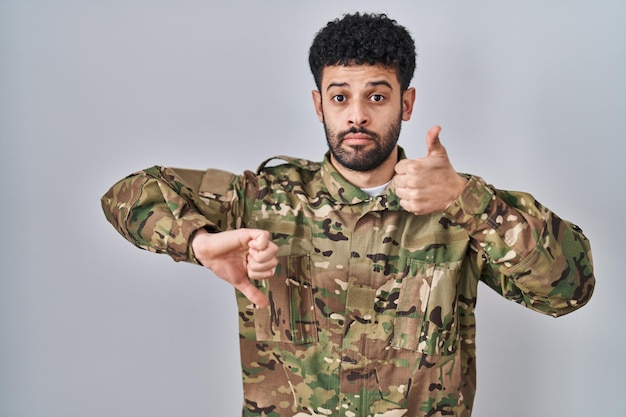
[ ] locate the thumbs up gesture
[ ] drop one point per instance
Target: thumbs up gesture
(428, 184)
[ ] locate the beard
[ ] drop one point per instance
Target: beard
(357, 158)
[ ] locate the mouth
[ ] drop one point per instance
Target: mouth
(357, 139)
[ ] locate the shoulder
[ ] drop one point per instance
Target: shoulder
(285, 165)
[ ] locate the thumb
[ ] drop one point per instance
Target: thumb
(433, 144)
(252, 293)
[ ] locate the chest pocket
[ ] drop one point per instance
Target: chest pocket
(426, 315)
(290, 317)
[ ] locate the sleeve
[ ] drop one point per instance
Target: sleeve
(159, 209)
(529, 254)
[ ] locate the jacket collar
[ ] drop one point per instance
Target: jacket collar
(344, 193)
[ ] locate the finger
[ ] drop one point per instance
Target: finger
(261, 256)
(433, 144)
(401, 167)
(261, 266)
(413, 198)
(263, 275)
(260, 241)
(253, 294)
(262, 272)
(410, 206)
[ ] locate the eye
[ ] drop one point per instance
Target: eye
(339, 98)
(377, 98)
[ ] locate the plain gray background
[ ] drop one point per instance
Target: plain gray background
(531, 96)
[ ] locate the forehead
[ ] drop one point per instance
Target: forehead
(358, 76)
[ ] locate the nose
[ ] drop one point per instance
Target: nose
(358, 115)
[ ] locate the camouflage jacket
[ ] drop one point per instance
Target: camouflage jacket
(371, 307)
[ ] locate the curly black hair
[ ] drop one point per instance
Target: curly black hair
(373, 39)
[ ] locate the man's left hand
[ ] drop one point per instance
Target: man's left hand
(428, 184)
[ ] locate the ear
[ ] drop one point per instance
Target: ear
(408, 99)
(317, 103)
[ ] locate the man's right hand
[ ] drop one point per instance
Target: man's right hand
(236, 256)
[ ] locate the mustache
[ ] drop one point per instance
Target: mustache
(353, 130)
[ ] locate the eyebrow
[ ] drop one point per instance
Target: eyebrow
(369, 84)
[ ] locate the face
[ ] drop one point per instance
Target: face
(362, 108)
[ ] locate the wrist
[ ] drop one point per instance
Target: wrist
(474, 198)
(198, 237)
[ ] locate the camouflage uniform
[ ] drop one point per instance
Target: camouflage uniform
(371, 307)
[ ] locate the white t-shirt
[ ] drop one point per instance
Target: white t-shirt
(374, 191)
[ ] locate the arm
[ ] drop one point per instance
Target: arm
(154, 209)
(525, 252)
(530, 255)
(171, 211)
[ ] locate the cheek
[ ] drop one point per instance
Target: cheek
(331, 120)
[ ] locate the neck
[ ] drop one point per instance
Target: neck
(380, 175)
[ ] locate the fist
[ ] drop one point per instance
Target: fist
(237, 256)
(430, 183)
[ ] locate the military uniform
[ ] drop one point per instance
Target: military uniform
(371, 307)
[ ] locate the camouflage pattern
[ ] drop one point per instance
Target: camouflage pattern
(371, 308)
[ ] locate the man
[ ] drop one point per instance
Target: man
(356, 277)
